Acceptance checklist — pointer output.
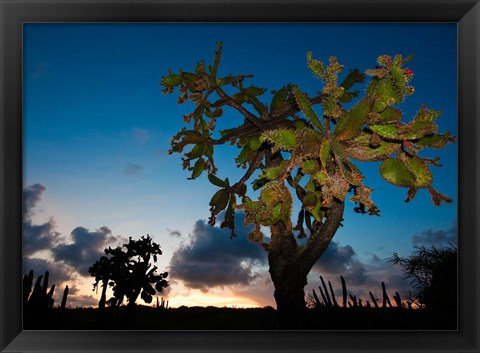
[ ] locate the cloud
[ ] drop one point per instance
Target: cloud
(375, 259)
(87, 247)
(36, 237)
(70, 260)
(437, 238)
(336, 258)
(212, 259)
(342, 260)
(174, 233)
(366, 274)
(361, 275)
(82, 301)
(60, 275)
(58, 272)
(357, 274)
(364, 277)
(261, 291)
(132, 169)
(140, 135)
(31, 197)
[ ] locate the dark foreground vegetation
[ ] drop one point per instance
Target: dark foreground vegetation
(213, 318)
(327, 313)
(432, 307)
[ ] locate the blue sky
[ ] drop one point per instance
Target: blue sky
(97, 129)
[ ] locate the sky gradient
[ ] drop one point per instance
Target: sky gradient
(97, 130)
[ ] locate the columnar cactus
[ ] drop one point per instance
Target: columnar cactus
(41, 298)
(312, 156)
(64, 298)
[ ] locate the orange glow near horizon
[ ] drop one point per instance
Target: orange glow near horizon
(178, 296)
(218, 301)
(219, 297)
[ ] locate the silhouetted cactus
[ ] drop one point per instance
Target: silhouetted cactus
(325, 300)
(374, 300)
(129, 270)
(38, 303)
(163, 304)
(354, 299)
(64, 298)
(318, 304)
(334, 300)
(344, 291)
(329, 301)
(386, 299)
(40, 299)
(27, 286)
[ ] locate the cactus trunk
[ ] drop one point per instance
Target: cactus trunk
(386, 299)
(64, 298)
(288, 280)
(103, 298)
(290, 299)
(27, 286)
(344, 291)
(318, 304)
(329, 301)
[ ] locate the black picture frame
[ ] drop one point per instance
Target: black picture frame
(466, 13)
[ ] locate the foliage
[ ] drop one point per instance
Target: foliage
(289, 143)
(295, 153)
(129, 271)
(433, 274)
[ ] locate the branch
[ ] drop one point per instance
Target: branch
(249, 129)
(289, 109)
(249, 116)
(321, 237)
(242, 130)
(300, 192)
(257, 159)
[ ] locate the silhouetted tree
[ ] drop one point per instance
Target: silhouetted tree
(129, 270)
(433, 274)
(311, 156)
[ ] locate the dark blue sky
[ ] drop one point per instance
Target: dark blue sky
(97, 127)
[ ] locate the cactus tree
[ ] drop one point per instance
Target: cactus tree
(291, 151)
(130, 272)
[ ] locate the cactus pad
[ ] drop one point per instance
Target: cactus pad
(396, 172)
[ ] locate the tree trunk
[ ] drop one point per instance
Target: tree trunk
(289, 266)
(287, 279)
(101, 304)
(290, 298)
(130, 311)
(103, 298)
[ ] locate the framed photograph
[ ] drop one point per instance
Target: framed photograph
(239, 176)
